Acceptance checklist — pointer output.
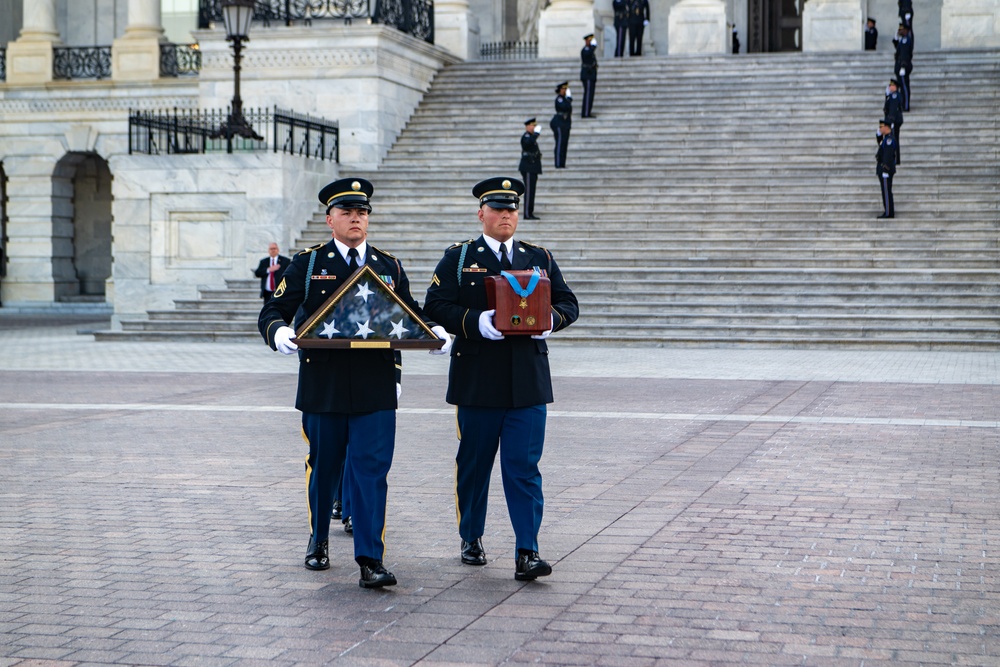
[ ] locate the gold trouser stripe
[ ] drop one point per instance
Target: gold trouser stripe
(458, 511)
(308, 477)
(385, 521)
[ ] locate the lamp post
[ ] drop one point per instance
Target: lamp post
(237, 15)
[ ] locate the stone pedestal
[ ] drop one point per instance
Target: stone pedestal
(136, 55)
(562, 25)
(30, 57)
(456, 29)
(698, 26)
(832, 25)
(970, 24)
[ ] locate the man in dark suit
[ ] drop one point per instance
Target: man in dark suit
(530, 166)
(348, 397)
(501, 384)
(588, 74)
(620, 8)
(270, 271)
(562, 123)
(638, 19)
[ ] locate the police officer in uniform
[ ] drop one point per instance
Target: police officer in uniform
(905, 12)
(620, 8)
(562, 122)
(588, 74)
(885, 166)
(893, 110)
(501, 384)
(348, 397)
(530, 166)
(638, 19)
(871, 35)
(903, 42)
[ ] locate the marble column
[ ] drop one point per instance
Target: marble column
(456, 28)
(136, 55)
(970, 24)
(29, 57)
(698, 26)
(832, 25)
(563, 24)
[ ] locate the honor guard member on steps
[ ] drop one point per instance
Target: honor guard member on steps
(620, 8)
(885, 166)
(638, 19)
(904, 63)
(500, 384)
(530, 166)
(893, 110)
(562, 122)
(348, 397)
(588, 74)
(871, 36)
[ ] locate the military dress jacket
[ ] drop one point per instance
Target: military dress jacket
(904, 53)
(885, 156)
(893, 109)
(343, 381)
(564, 112)
(638, 12)
(620, 8)
(531, 154)
(508, 373)
(588, 63)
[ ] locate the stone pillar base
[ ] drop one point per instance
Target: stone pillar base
(456, 30)
(698, 26)
(29, 61)
(561, 28)
(969, 24)
(832, 25)
(135, 59)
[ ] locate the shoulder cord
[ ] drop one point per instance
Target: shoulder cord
(461, 262)
(309, 272)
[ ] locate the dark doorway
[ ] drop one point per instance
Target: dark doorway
(81, 191)
(3, 228)
(775, 25)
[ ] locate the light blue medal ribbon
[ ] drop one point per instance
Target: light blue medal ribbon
(523, 292)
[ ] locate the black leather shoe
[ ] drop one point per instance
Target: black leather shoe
(348, 526)
(473, 552)
(530, 566)
(373, 575)
(338, 510)
(885, 216)
(318, 555)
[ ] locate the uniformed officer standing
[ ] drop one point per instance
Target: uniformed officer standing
(905, 12)
(871, 35)
(530, 166)
(588, 74)
(620, 8)
(347, 397)
(638, 19)
(562, 122)
(893, 110)
(885, 166)
(501, 384)
(904, 62)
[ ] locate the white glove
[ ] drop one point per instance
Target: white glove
(568, 93)
(645, 22)
(399, 390)
(538, 130)
(446, 337)
(282, 340)
(486, 327)
(545, 334)
(902, 71)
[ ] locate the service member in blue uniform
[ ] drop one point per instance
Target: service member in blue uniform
(871, 35)
(893, 110)
(905, 12)
(885, 166)
(348, 397)
(620, 8)
(638, 19)
(903, 41)
(562, 122)
(501, 384)
(530, 166)
(588, 74)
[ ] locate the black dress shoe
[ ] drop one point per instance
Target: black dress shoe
(530, 566)
(318, 555)
(373, 575)
(348, 526)
(885, 216)
(338, 510)
(473, 552)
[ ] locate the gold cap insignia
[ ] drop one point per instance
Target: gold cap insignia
(506, 185)
(355, 186)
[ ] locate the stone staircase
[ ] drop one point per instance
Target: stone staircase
(714, 200)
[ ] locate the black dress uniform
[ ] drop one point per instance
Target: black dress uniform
(871, 36)
(904, 63)
(561, 124)
(906, 12)
(893, 111)
(638, 16)
(885, 168)
(620, 8)
(530, 167)
(588, 75)
(501, 387)
(347, 396)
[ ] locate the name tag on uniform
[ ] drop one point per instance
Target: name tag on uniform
(473, 269)
(324, 277)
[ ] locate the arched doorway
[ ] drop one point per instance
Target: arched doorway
(81, 227)
(775, 25)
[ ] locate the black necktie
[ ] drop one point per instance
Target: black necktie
(352, 260)
(504, 262)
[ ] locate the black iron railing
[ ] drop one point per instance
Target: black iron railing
(179, 60)
(183, 131)
(3, 64)
(414, 17)
(509, 51)
(81, 62)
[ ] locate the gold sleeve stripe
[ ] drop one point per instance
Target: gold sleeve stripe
(268, 329)
(466, 333)
(435, 280)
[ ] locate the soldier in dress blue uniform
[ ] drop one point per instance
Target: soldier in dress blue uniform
(501, 384)
(530, 166)
(638, 19)
(893, 110)
(885, 166)
(588, 74)
(903, 41)
(620, 8)
(348, 397)
(905, 12)
(871, 36)
(562, 122)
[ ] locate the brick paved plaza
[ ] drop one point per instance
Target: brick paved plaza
(703, 507)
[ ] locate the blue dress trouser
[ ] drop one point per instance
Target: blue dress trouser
(519, 434)
(362, 446)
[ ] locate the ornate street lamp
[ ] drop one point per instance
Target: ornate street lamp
(236, 15)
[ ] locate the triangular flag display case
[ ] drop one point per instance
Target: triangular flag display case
(365, 313)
